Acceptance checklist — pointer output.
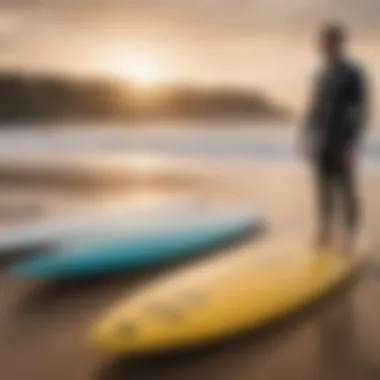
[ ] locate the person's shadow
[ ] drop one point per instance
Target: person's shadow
(339, 346)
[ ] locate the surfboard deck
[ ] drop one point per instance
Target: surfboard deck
(180, 236)
(103, 220)
(244, 290)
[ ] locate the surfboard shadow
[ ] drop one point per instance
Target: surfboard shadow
(10, 257)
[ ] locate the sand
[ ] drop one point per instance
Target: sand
(42, 324)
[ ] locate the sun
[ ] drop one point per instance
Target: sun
(141, 70)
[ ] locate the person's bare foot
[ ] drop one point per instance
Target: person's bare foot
(323, 242)
(348, 244)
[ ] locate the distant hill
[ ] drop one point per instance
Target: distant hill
(41, 98)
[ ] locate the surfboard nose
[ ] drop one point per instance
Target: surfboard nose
(125, 336)
(31, 269)
(137, 332)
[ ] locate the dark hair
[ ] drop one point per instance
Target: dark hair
(334, 31)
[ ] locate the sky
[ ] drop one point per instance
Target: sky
(258, 44)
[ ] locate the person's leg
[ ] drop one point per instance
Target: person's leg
(325, 200)
(350, 202)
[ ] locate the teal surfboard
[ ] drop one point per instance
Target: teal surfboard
(162, 241)
(105, 219)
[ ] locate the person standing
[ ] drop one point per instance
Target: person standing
(336, 119)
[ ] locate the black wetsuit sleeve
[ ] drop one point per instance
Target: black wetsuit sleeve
(313, 111)
(359, 108)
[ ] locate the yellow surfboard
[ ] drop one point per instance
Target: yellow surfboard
(242, 290)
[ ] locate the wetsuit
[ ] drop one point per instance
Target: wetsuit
(335, 123)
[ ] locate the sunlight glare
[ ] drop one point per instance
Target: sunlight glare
(141, 70)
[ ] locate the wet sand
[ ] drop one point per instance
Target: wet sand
(43, 324)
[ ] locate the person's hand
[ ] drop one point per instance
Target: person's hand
(306, 147)
(349, 153)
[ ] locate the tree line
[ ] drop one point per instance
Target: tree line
(31, 97)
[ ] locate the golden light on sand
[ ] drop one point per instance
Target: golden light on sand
(146, 163)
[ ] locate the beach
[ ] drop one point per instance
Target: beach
(43, 323)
